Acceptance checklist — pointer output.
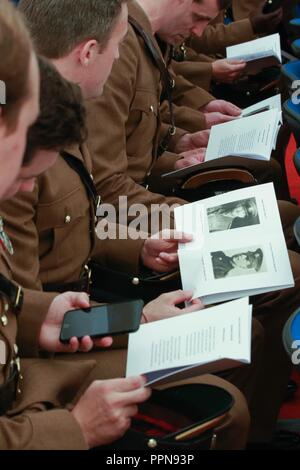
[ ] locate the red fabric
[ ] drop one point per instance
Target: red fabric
(291, 409)
(293, 178)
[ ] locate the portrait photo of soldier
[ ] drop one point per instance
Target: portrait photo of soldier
(237, 263)
(235, 214)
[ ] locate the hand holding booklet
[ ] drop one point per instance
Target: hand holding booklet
(211, 340)
(253, 138)
(239, 247)
(259, 53)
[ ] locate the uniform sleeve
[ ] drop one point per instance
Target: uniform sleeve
(217, 37)
(41, 430)
(19, 216)
(35, 307)
(188, 94)
(122, 254)
(196, 71)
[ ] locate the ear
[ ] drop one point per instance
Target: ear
(88, 52)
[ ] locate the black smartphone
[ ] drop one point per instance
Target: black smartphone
(272, 5)
(102, 320)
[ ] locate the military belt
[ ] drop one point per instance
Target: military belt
(82, 285)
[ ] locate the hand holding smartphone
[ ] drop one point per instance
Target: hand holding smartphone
(102, 320)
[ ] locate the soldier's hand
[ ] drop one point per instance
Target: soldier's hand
(165, 306)
(50, 330)
(105, 410)
(159, 253)
(190, 158)
(226, 71)
(219, 111)
(266, 23)
(194, 141)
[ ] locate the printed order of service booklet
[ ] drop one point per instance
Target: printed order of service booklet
(210, 340)
(238, 139)
(239, 247)
(251, 137)
(259, 54)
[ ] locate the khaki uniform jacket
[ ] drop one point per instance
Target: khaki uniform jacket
(243, 8)
(197, 68)
(39, 418)
(125, 153)
(217, 37)
(53, 233)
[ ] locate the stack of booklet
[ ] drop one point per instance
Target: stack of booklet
(239, 247)
(259, 54)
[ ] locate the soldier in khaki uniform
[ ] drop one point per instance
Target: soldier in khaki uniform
(131, 109)
(51, 412)
(23, 224)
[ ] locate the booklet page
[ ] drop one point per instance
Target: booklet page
(252, 136)
(251, 50)
(207, 336)
(239, 246)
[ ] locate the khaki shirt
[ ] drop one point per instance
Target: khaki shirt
(242, 9)
(217, 36)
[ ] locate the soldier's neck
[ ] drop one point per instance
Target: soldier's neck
(154, 10)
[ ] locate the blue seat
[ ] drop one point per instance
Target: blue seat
(297, 11)
(291, 333)
(228, 17)
(291, 113)
(291, 72)
(295, 22)
(227, 20)
(296, 47)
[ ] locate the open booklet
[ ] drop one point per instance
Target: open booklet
(239, 247)
(207, 341)
(251, 137)
(270, 103)
(232, 137)
(259, 53)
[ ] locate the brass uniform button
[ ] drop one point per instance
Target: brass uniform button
(135, 281)
(152, 109)
(68, 219)
(152, 443)
(4, 320)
